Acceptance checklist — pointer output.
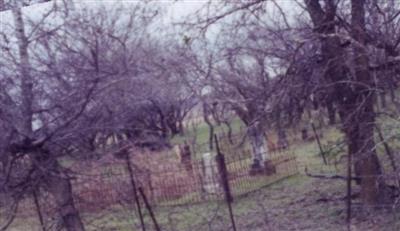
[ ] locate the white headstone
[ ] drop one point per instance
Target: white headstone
(211, 177)
(264, 152)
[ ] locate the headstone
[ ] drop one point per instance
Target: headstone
(186, 158)
(304, 134)
(282, 140)
(211, 182)
(264, 152)
(177, 151)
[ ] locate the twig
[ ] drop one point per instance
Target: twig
(328, 177)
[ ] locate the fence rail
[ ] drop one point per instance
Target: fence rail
(108, 186)
(199, 182)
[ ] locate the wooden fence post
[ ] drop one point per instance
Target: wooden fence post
(319, 144)
(38, 210)
(225, 182)
(146, 202)
(136, 198)
(348, 199)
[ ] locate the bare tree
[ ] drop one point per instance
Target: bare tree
(345, 78)
(53, 95)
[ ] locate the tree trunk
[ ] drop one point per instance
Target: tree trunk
(388, 151)
(228, 125)
(282, 139)
(206, 113)
(61, 189)
(361, 131)
(355, 101)
(164, 129)
(259, 150)
(331, 113)
(392, 93)
(24, 73)
(366, 164)
(181, 127)
(382, 97)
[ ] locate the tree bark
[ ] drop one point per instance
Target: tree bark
(24, 73)
(382, 97)
(206, 112)
(164, 129)
(61, 189)
(282, 139)
(181, 127)
(228, 125)
(355, 101)
(331, 113)
(257, 141)
(366, 158)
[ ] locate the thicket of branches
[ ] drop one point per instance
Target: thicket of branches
(338, 57)
(75, 76)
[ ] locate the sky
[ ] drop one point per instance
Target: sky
(176, 10)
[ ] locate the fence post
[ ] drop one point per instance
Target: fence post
(136, 198)
(348, 199)
(150, 184)
(201, 179)
(38, 210)
(225, 182)
(146, 202)
(319, 144)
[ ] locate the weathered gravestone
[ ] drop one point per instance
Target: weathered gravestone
(211, 182)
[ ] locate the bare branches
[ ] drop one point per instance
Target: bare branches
(215, 18)
(79, 82)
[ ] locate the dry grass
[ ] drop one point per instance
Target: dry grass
(296, 203)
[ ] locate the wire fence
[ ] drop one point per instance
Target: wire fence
(184, 183)
(177, 194)
(106, 188)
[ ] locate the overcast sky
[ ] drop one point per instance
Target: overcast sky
(176, 10)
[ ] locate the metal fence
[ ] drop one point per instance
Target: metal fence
(182, 184)
(119, 186)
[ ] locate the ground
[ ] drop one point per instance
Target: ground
(295, 203)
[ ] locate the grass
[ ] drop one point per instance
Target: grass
(296, 203)
(182, 218)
